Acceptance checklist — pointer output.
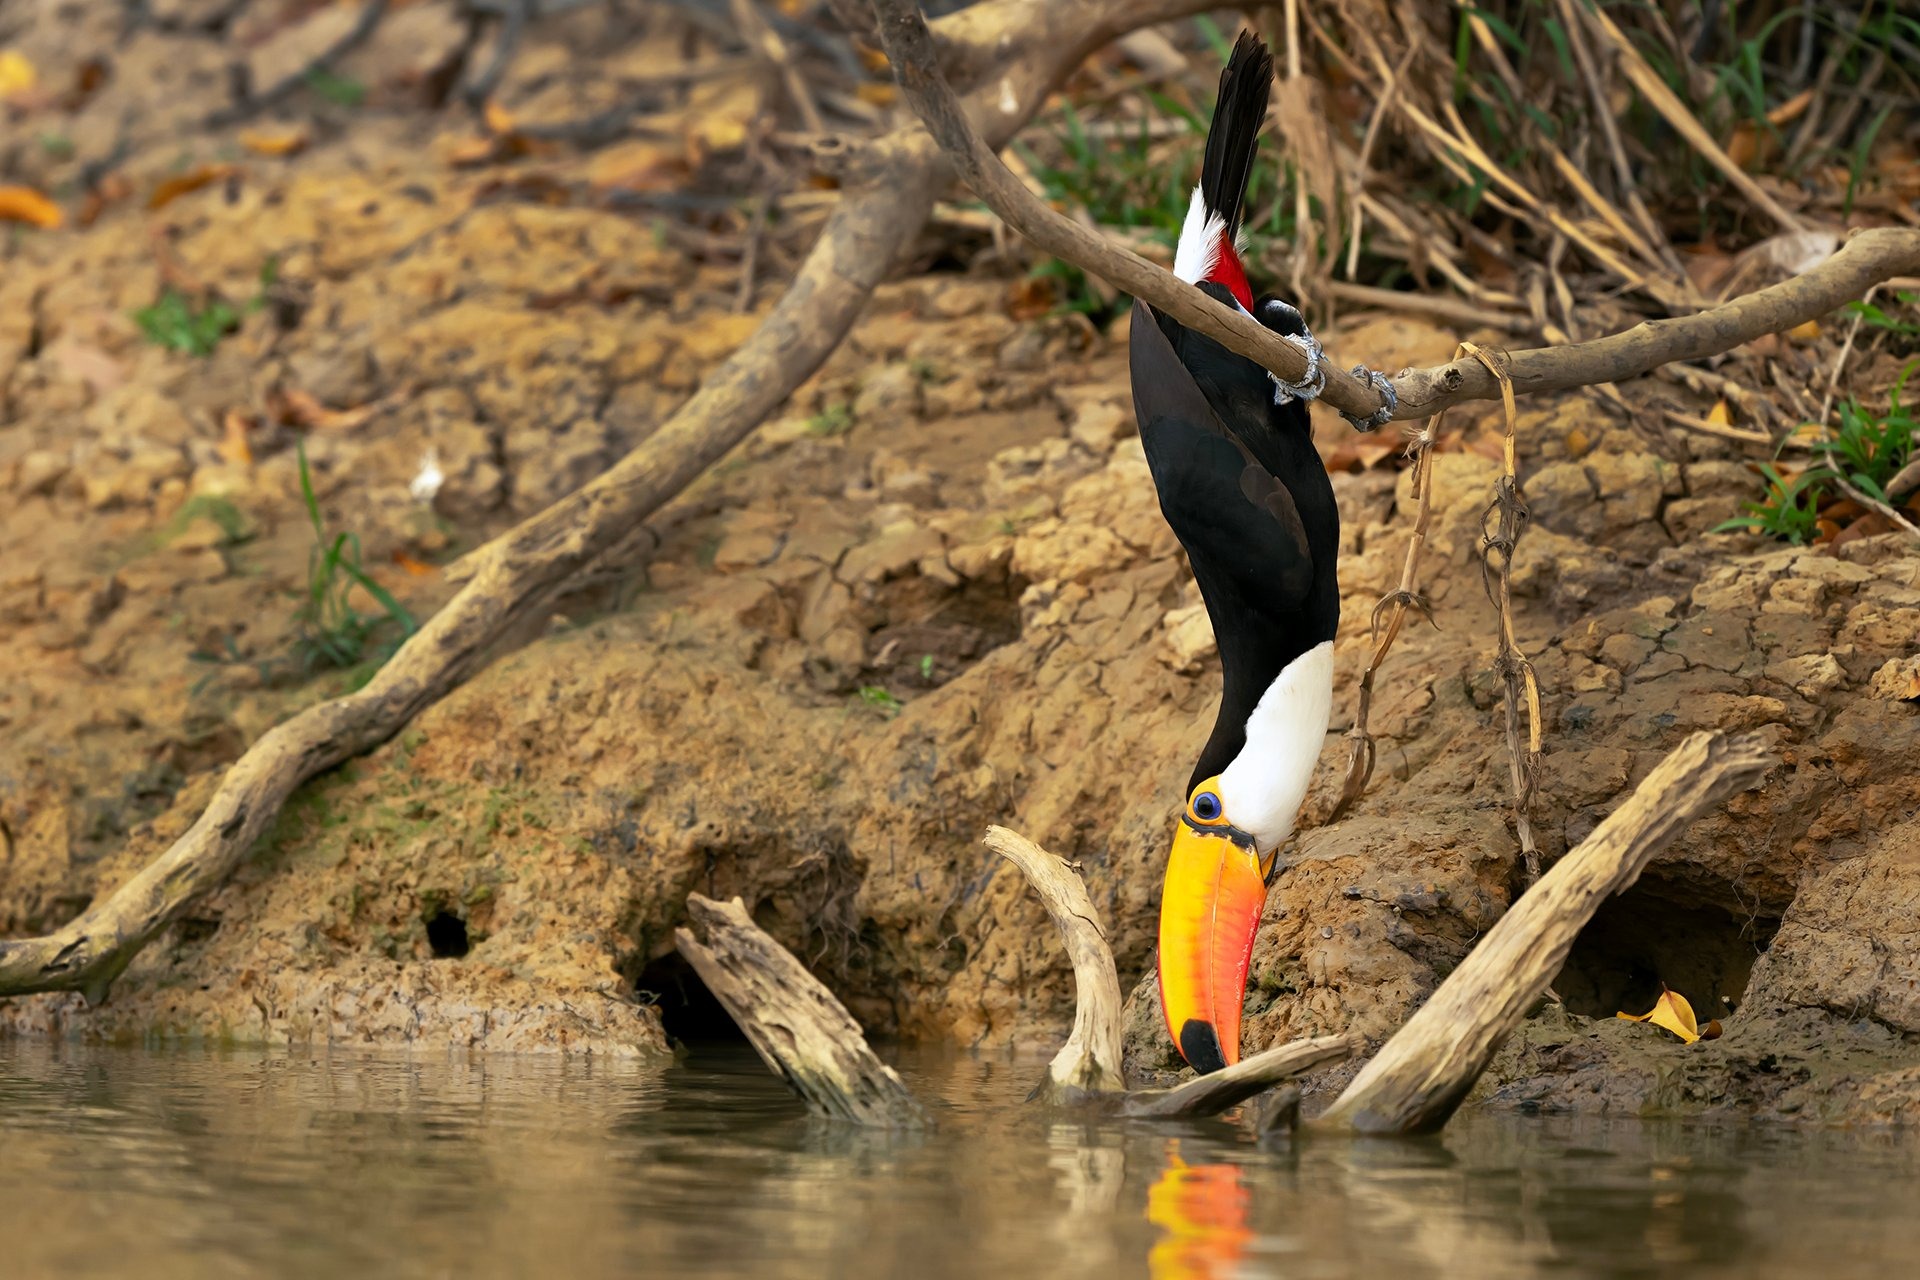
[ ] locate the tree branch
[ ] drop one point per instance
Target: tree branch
(1868, 258)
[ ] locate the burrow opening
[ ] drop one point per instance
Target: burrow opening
(689, 1011)
(447, 936)
(1662, 932)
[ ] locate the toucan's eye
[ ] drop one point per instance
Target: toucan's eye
(1206, 806)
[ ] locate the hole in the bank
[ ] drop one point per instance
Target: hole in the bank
(447, 936)
(688, 1010)
(1661, 932)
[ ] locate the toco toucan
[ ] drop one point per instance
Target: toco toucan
(1239, 480)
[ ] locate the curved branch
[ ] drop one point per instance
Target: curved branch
(1868, 258)
(1089, 1062)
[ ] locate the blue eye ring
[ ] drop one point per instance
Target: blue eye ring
(1206, 806)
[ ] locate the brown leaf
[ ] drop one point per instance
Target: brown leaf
(234, 448)
(83, 362)
(167, 190)
(418, 568)
(274, 142)
(1029, 298)
(638, 165)
(24, 204)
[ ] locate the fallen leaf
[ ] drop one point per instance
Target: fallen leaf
(876, 93)
(16, 73)
(234, 448)
(24, 204)
(1029, 298)
(498, 119)
(1790, 110)
(81, 361)
(274, 142)
(1805, 332)
(1578, 443)
(1360, 453)
(1721, 415)
(638, 165)
(167, 190)
(1670, 1012)
(418, 568)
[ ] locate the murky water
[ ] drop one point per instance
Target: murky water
(121, 1162)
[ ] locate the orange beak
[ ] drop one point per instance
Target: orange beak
(1209, 911)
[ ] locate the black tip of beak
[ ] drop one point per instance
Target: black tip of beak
(1200, 1046)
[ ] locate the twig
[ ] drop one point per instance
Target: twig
(1394, 604)
(750, 256)
(1517, 679)
(1089, 1062)
(774, 50)
(371, 12)
(1694, 423)
(1675, 112)
(1213, 1093)
(1874, 503)
(1357, 214)
(1438, 305)
(799, 1029)
(506, 40)
(1418, 1079)
(1610, 133)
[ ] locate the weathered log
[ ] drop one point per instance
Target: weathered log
(1211, 1094)
(800, 1030)
(1417, 1080)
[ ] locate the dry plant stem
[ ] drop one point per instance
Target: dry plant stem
(1518, 683)
(800, 1030)
(1089, 1062)
(773, 50)
(1610, 132)
(1417, 1080)
(517, 575)
(1675, 112)
(1394, 604)
(1866, 259)
(1209, 1095)
(1866, 500)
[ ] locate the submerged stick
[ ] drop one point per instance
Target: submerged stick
(1089, 1062)
(800, 1030)
(1414, 1083)
(1209, 1095)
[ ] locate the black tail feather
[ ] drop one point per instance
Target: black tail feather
(1235, 133)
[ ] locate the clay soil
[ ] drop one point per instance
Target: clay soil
(935, 593)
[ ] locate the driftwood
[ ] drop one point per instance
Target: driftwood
(813, 1043)
(1414, 1083)
(802, 1032)
(1867, 259)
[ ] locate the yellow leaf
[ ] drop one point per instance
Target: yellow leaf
(498, 119)
(16, 73)
(1671, 1012)
(24, 204)
(1720, 415)
(167, 190)
(273, 142)
(234, 447)
(1805, 332)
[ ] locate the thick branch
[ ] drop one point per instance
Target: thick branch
(801, 1031)
(1867, 259)
(910, 49)
(1089, 1062)
(1417, 1080)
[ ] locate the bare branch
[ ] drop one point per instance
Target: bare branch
(1211, 1094)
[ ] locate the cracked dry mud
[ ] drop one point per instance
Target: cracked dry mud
(936, 592)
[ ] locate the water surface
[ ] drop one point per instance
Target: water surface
(190, 1163)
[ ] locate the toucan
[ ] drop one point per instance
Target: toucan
(1239, 481)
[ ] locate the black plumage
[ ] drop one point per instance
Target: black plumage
(1234, 135)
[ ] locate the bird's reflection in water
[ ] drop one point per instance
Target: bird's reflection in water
(1202, 1211)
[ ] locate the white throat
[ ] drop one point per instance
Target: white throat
(1262, 790)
